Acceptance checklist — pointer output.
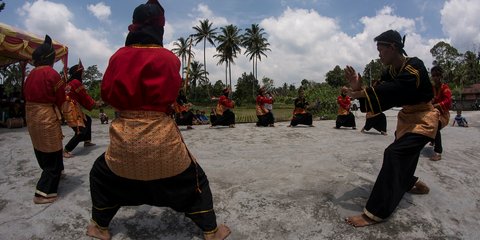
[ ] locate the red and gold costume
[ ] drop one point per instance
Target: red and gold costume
(443, 98)
(44, 93)
(224, 114)
(345, 118)
(265, 117)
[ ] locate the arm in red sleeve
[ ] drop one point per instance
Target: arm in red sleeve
(263, 100)
(446, 97)
(226, 102)
(81, 95)
(344, 103)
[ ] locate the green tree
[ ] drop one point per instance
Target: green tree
(336, 77)
(218, 88)
(2, 6)
(242, 94)
(205, 32)
(229, 41)
(373, 71)
(256, 45)
(197, 75)
(182, 49)
(470, 68)
(11, 79)
(447, 57)
(92, 79)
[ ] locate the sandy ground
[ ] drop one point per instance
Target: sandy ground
(268, 183)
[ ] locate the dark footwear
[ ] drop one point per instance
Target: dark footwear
(88, 144)
(44, 200)
(420, 188)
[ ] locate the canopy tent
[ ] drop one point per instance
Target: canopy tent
(17, 46)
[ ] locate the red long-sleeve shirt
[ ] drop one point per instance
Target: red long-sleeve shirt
(344, 102)
(143, 78)
(44, 85)
(443, 97)
(79, 94)
(262, 100)
(225, 101)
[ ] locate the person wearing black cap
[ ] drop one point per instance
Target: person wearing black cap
(147, 161)
(405, 83)
(77, 96)
(44, 94)
(224, 114)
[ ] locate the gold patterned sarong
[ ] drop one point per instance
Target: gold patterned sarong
(421, 119)
(44, 126)
(146, 146)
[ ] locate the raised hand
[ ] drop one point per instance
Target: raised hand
(353, 78)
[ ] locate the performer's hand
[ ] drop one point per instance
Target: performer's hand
(353, 78)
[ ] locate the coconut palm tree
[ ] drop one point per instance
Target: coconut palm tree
(196, 75)
(183, 51)
(229, 41)
(205, 32)
(256, 45)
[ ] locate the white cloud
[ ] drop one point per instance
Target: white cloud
(45, 17)
(306, 45)
(461, 23)
(203, 12)
(100, 11)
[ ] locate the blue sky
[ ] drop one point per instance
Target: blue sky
(308, 37)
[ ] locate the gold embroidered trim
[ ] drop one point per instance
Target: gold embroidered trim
(415, 72)
(378, 100)
(211, 232)
(105, 208)
(200, 212)
(368, 99)
(44, 194)
(371, 216)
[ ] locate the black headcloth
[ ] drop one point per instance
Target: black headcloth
(392, 36)
(76, 72)
(44, 54)
(147, 24)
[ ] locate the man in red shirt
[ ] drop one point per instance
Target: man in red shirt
(442, 101)
(44, 94)
(225, 116)
(76, 97)
(147, 161)
(345, 118)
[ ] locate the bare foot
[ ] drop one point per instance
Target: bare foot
(189, 127)
(67, 154)
(231, 126)
(384, 133)
(222, 233)
(420, 188)
(436, 157)
(289, 126)
(89, 144)
(95, 232)
(363, 130)
(360, 220)
(44, 200)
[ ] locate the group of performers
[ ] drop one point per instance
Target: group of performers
(140, 166)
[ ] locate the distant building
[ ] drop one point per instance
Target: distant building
(471, 93)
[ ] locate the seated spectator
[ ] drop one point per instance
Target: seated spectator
(460, 120)
(103, 117)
